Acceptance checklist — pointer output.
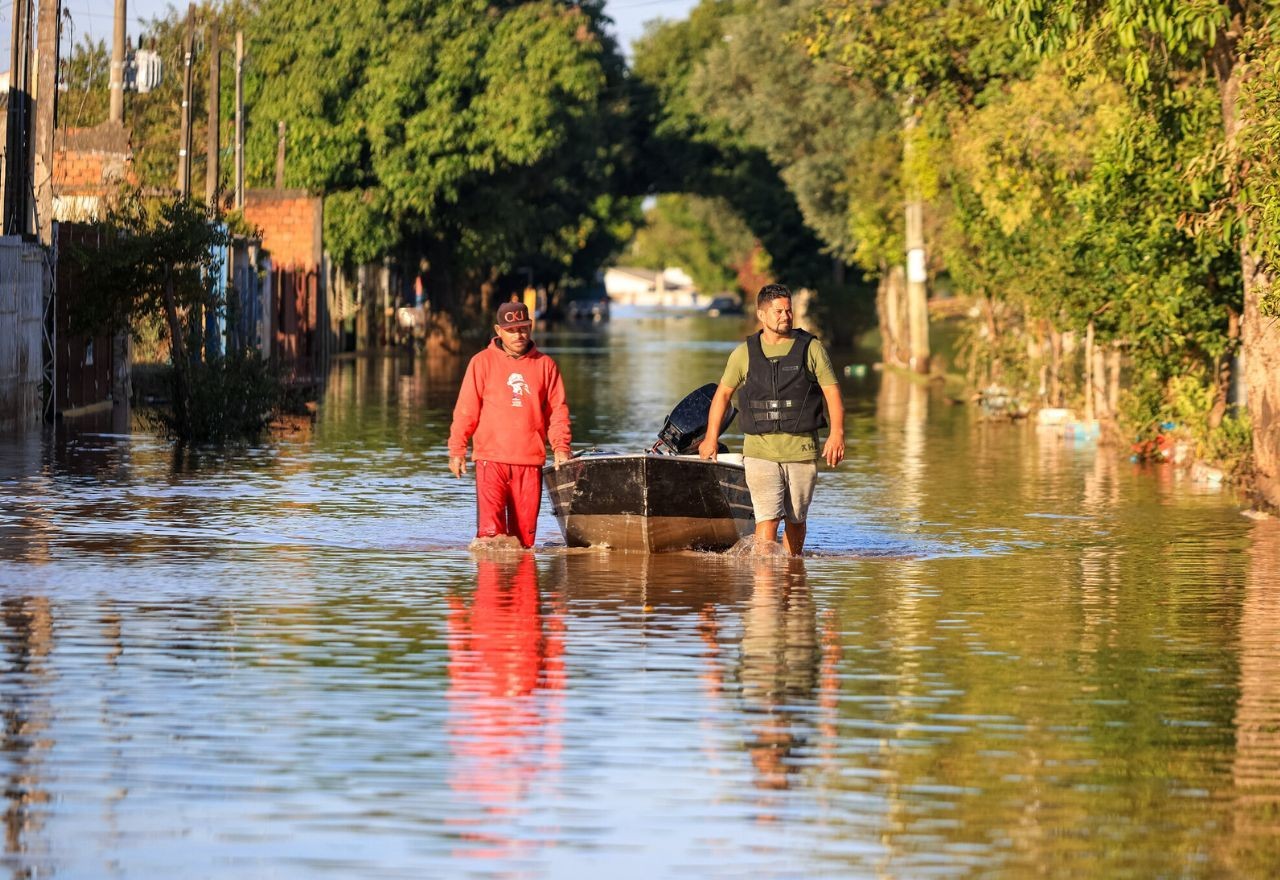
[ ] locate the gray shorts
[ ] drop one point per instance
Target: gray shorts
(781, 490)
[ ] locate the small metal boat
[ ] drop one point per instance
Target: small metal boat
(659, 500)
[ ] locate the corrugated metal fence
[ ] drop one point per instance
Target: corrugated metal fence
(22, 285)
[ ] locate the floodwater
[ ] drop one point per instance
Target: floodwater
(1006, 655)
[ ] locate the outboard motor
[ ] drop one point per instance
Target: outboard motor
(687, 424)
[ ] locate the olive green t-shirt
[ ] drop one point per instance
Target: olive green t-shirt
(780, 447)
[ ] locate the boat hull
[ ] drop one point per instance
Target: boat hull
(650, 503)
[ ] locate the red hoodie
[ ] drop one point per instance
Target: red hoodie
(510, 406)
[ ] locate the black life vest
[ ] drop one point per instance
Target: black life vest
(780, 395)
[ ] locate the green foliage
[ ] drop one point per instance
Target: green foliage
(1153, 40)
(484, 134)
(835, 147)
(1259, 146)
(700, 235)
(1186, 404)
(158, 272)
(86, 78)
(693, 148)
(486, 137)
(914, 62)
(929, 50)
(1072, 201)
(229, 399)
(156, 245)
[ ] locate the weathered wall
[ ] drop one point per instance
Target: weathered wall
(89, 163)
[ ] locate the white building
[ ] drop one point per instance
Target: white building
(671, 288)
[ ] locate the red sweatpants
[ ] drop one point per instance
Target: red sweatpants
(507, 500)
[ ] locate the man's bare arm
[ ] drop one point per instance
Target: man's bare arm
(719, 406)
(833, 449)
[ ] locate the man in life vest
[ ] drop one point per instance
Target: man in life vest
(786, 378)
(510, 405)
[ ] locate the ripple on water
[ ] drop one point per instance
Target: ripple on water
(284, 661)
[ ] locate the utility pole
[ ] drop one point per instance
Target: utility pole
(917, 270)
(280, 155)
(17, 166)
(117, 64)
(49, 25)
(184, 131)
(239, 120)
(213, 145)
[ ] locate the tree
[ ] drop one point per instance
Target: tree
(481, 133)
(926, 57)
(1071, 217)
(161, 261)
(1166, 47)
(827, 139)
(691, 149)
(701, 235)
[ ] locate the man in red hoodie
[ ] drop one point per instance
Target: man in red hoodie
(511, 404)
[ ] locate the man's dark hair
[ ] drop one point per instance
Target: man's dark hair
(769, 293)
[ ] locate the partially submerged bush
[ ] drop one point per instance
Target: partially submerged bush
(229, 398)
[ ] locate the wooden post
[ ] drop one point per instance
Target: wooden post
(1089, 411)
(239, 202)
(917, 271)
(213, 144)
(280, 130)
(17, 166)
(117, 63)
(184, 131)
(1113, 379)
(49, 25)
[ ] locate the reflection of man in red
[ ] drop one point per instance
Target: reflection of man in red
(506, 677)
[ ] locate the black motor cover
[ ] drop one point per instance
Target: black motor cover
(687, 424)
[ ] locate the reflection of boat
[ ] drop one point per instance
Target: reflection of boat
(653, 501)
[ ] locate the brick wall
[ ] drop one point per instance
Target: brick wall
(89, 161)
(291, 222)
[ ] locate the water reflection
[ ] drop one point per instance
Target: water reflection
(27, 642)
(1254, 845)
(505, 696)
(1009, 656)
(780, 660)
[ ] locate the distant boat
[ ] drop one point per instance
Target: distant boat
(656, 501)
(724, 305)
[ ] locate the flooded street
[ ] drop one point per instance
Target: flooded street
(1006, 655)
